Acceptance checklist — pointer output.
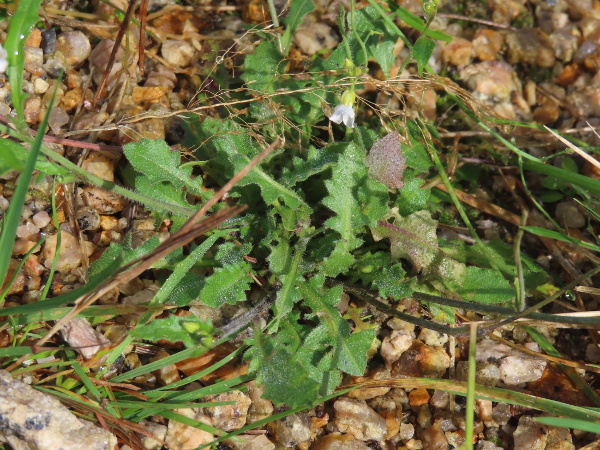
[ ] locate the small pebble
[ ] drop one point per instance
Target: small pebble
(27, 231)
(49, 40)
(484, 409)
(501, 414)
(177, 53)
(74, 46)
(440, 399)
(457, 52)
(291, 430)
(251, 442)
(431, 337)
(70, 252)
(393, 345)
(87, 218)
(168, 374)
(407, 431)
(530, 46)
(336, 441)
(32, 110)
(316, 37)
(521, 369)
(568, 215)
(421, 360)
(228, 417)
(41, 219)
(57, 119)
(356, 418)
(418, 397)
(424, 417)
(40, 86)
(34, 59)
(186, 437)
(487, 44)
(529, 434)
(414, 444)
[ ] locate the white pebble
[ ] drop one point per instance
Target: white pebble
(40, 86)
(4, 204)
(41, 219)
(27, 231)
(177, 53)
(26, 213)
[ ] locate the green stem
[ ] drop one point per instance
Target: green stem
(470, 412)
(275, 20)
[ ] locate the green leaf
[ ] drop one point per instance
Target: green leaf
(13, 157)
(412, 198)
(383, 52)
(284, 377)
(563, 422)
(502, 255)
(416, 153)
(20, 25)
(183, 285)
(379, 40)
(381, 272)
(262, 67)
(539, 231)
(227, 285)
(485, 286)
(190, 330)
(422, 51)
(349, 350)
(417, 23)
(413, 237)
(234, 149)
(298, 9)
(159, 163)
(316, 161)
(357, 200)
(123, 253)
(587, 183)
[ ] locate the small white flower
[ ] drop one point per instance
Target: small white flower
(3, 60)
(343, 113)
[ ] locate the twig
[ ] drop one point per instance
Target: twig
(142, 43)
(115, 48)
(481, 21)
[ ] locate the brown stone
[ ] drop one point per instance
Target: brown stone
(418, 397)
(146, 96)
(569, 74)
(421, 360)
(71, 99)
(34, 39)
(255, 11)
(457, 52)
(530, 46)
(179, 22)
(487, 44)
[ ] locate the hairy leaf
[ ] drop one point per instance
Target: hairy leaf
(357, 201)
(227, 285)
(284, 377)
(385, 161)
(190, 330)
(485, 286)
(262, 67)
(413, 237)
(159, 163)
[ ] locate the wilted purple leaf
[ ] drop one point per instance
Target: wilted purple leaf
(385, 161)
